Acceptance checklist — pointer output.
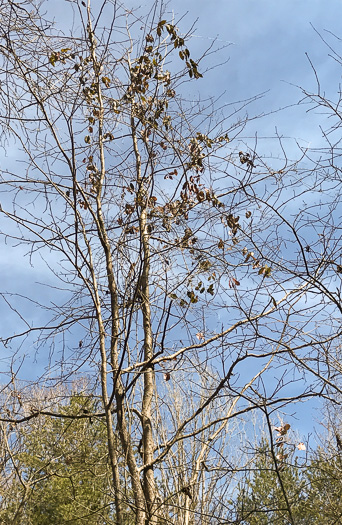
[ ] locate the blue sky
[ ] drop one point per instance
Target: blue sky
(264, 45)
(267, 45)
(264, 51)
(269, 41)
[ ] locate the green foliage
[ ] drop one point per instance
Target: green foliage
(261, 499)
(63, 463)
(325, 496)
(312, 492)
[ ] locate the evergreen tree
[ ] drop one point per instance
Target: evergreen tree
(325, 496)
(279, 493)
(275, 494)
(63, 468)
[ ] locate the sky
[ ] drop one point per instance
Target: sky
(262, 47)
(266, 47)
(268, 41)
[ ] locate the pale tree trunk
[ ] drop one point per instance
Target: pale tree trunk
(115, 328)
(149, 486)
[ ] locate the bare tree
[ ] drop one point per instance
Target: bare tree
(177, 252)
